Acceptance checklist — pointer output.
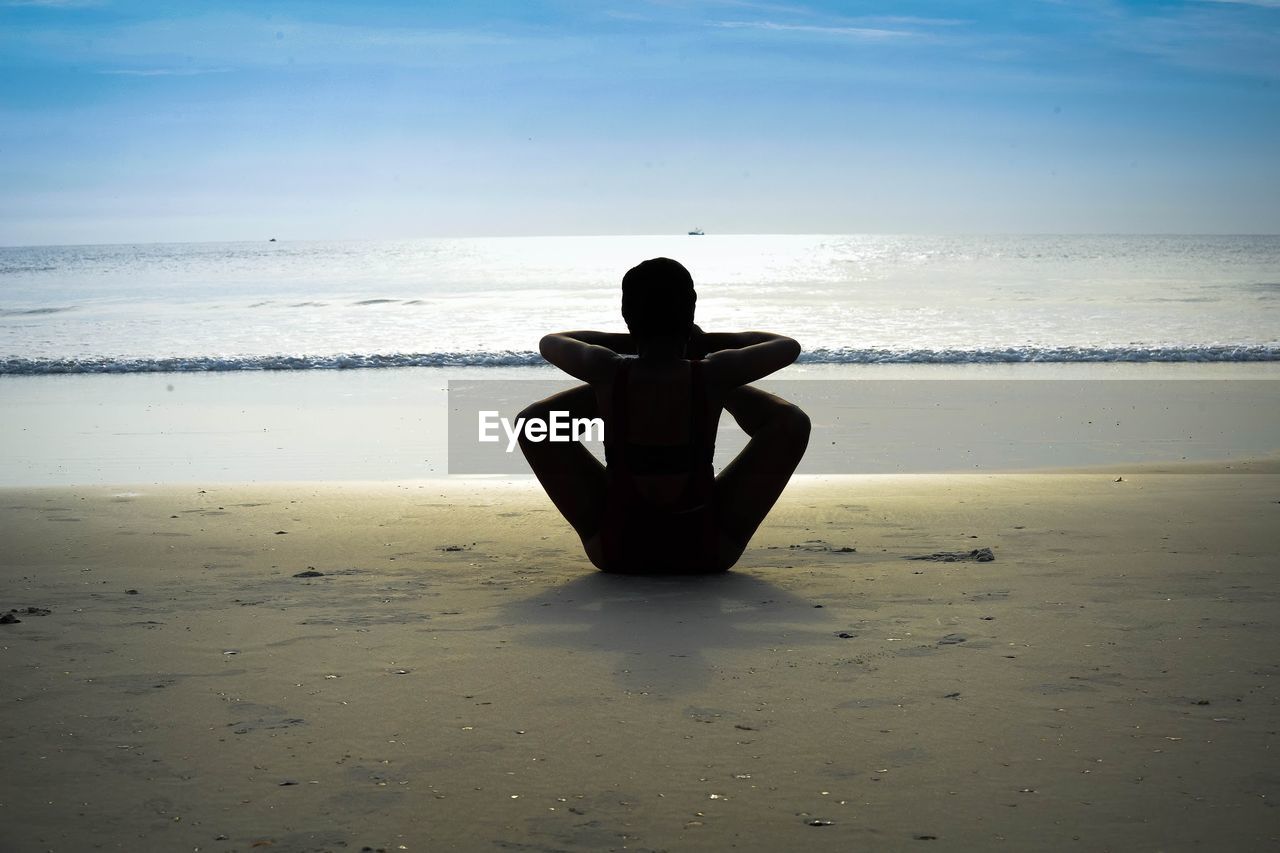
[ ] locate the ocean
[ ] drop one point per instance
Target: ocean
(857, 299)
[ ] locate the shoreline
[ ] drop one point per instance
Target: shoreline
(520, 485)
(393, 425)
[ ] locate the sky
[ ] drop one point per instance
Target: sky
(129, 121)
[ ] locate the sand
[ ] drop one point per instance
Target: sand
(394, 424)
(457, 678)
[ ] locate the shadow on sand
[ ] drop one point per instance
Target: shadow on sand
(665, 630)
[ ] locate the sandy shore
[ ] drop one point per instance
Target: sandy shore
(396, 424)
(456, 678)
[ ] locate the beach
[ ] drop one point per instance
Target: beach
(433, 665)
(292, 295)
(1020, 595)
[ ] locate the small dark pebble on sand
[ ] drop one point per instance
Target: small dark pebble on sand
(456, 547)
(986, 618)
(281, 532)
(309, 573)
(951, 696)
(1203, 702)
(845, 635)
(131, 592)
(9, 619)
(287, 782)
(952, 639)
(819, 822)
(926, 838)
(978, 555)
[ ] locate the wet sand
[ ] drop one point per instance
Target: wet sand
(435, 667)
(392, 425)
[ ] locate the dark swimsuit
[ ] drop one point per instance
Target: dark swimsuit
(638, 536)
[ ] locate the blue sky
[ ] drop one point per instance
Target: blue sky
(130, 121)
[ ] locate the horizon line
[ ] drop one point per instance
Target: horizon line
(297, 240)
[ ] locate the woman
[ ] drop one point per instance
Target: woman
(657, 507)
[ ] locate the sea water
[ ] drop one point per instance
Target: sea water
(856, 299)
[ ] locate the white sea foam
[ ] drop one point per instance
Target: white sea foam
(358, 361)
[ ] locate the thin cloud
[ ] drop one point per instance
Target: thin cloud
(53, 4)
(240, 41)
(162, 72)
(1201, 40)
(912, 21)
(766, 7)
(704, 5)
(860, 33)
(1265, 4)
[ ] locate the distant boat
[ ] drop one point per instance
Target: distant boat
(697, 232)
(272, 240)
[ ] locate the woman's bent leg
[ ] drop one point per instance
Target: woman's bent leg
(750, 485)
(572, 477)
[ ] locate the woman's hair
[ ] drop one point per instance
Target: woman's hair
(658, 299)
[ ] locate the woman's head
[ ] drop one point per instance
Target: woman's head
(658, 299)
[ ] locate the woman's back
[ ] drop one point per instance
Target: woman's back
(660, 425)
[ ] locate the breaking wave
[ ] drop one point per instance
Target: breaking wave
(508, 358)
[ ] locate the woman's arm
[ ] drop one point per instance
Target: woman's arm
(705, 343)
(750, 356)
(589, 362)
(619, 342)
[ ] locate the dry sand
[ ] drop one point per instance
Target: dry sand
(457, 678)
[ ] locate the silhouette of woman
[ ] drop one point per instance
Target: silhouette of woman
(656, 506)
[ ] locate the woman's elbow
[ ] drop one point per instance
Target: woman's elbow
(792, 349)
